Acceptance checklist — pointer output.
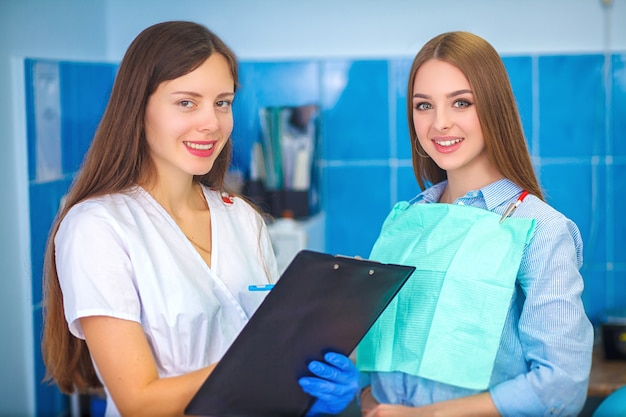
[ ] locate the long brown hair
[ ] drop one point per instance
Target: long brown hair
(495, 104)
(117, 158)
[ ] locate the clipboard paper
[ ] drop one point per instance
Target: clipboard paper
(321, 303)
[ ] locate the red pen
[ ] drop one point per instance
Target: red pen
(511, 208)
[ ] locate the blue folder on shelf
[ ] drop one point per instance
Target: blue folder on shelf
(321, 303)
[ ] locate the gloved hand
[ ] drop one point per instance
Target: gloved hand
(335, 384)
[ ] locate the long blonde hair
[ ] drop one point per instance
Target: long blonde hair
(116, 159)
(495, 104)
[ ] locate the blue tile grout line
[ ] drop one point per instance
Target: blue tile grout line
(609, 196)
(393, 139)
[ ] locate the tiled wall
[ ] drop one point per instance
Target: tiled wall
(69, 99)
(571, 120)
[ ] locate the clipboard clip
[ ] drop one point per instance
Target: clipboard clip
(358, 258)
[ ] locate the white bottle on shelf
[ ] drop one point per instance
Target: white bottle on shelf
(289, 236)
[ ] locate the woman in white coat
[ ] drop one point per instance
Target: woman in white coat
(149, 262)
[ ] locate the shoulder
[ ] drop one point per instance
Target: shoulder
(544, 214)
(93, 208)
(134, 202)
(551, 226)
(99, 215)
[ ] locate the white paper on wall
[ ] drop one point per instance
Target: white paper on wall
(46, 86)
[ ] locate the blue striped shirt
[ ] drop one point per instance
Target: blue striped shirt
(543, 363)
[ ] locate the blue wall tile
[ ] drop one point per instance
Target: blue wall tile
(407, 184)
(399, 78)
(619, 216)
(355, 110)
(580, 194)
(44, 203)
(618, 299)
(618, 100)
(568, 188)
(283, 83)
(82, 107)
(594, 293)
(571, 105)
(29, 96)
(356, 201)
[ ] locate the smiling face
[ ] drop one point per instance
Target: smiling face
(189, 119)
(446, 122)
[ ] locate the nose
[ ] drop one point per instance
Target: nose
(208, 120)
(442, 120)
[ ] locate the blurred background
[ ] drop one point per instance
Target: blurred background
(349, 61)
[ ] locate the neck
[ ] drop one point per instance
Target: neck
(458, 188)
(475, 175)
(178, 199)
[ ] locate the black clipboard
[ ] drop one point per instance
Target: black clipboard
(321, 303)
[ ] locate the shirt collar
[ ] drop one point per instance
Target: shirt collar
(500, 192)
(431, 194)
(494, 194)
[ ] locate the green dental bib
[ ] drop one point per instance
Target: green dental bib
(446, 322)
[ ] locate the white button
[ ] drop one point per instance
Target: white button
(460, 203)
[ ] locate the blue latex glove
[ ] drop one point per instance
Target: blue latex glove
(335, 384)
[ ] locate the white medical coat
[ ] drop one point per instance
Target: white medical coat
(122, 255)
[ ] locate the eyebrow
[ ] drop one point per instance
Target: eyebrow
(195, 94)
(449, 95)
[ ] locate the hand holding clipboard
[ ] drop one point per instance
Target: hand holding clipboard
(322, 303)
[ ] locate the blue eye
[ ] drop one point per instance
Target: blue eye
(423, 106)
(461, 104)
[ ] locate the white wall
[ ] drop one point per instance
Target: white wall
(100, 30)
(275, 29)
